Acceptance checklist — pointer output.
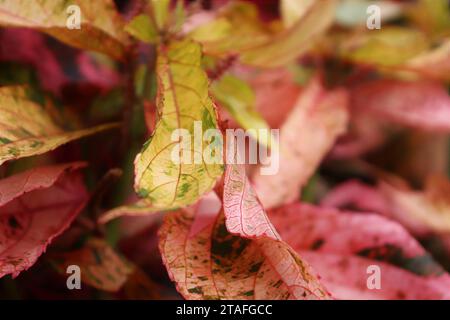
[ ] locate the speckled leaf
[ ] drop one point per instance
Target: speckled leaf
(26, 129)
(101, 267)
(36, 206)
(290, 43)
(308, 133)
(101, 26)
(244, 214)
(182, 100)
(210, 263)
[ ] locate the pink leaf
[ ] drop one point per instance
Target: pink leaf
(347, 276)
(341, 245)
(244, 214)
(423, 105)
(309, 132)
(38, 205)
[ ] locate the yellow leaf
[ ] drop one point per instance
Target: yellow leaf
(432, 16)
(160, 12)
(142, 28)
(141, 207)
(292, 10)
(27, 130)
(386, 47)
(287, 45)
(182, 100)
(214, 30)
(101, 27)
(239, 99)
(236, 28)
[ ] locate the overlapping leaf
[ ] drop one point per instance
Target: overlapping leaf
(101, 27)
(210, 263)
(182, 100)
(26, 129)
(239, 31)
(36, 206)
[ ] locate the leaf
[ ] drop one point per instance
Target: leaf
(141, 207)
(346, 277)
(101, 267)
(432, 16)
(140, 287)
(36, 206)
(421, 212)
(293, 10)
(101, 25)
(289, 44)
(388, 46)
(429, 208)
(235, 28)
(238, 98)
(210, 263)
(214, 30)
(344, 244)
(308, 133)
(434, 64)
(160, 12)
(276, 93)
(418, 104)
(142, 28)
(27, 130)
(182, 99)
(329, 230)
(244, 214)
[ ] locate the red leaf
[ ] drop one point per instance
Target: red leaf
(36, 206)
(423, 105)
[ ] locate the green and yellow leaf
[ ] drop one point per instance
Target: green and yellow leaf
(182, 100)
(239, 99)
(388, 46)
(142, 28)
(26, 129)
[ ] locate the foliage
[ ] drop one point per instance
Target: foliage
(87, 171)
